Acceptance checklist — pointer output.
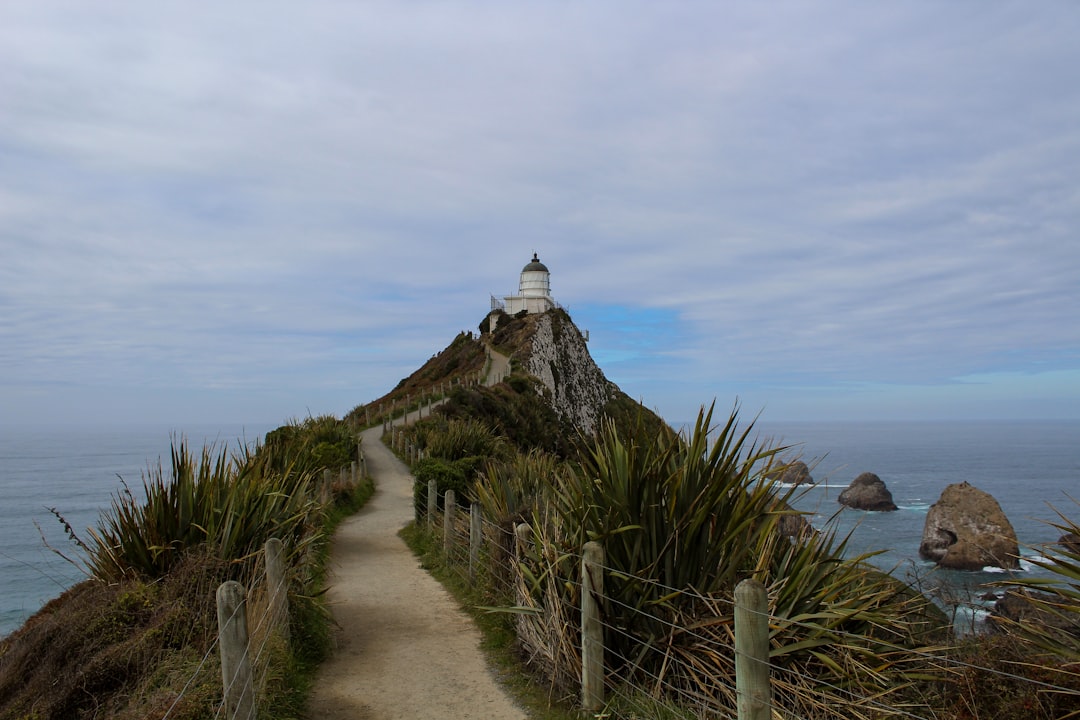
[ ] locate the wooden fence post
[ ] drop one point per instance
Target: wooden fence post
(752, 690)
(592, 628)
(522, 537)
(239, 699)
(476, 535)
(432, 502)
(277, 586)
(449, 505)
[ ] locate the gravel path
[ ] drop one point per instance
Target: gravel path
(498, 367)
(404, 649)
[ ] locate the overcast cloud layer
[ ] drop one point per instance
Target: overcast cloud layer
(250, 211)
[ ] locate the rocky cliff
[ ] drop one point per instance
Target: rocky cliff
(556, 354)
(545, 390)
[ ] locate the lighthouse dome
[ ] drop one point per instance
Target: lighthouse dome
(535, 265)
(535, 279)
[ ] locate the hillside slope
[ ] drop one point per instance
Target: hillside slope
(555, 391)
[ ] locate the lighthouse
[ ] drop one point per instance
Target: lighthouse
(534, 290)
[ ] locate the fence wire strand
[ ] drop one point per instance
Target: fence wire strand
(510, 563)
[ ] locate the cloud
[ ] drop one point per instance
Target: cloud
(784, 200)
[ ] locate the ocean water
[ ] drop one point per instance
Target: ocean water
(76, 471)
(1026, 466)
(1030, 468)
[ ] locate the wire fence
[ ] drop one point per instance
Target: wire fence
(684, 667)
(251, 648)
(415, 402)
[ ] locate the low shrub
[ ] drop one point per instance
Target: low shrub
(448, 475)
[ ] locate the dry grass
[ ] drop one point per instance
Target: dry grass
(122, 650)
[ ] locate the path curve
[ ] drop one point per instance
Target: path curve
(498, 367)
(404, 649)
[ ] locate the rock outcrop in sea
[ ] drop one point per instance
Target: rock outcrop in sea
(793, 473)
(1071, 542)
(867, 492)
(967, 530)
(1035, 609)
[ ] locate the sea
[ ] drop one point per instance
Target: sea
(1031, 468)
(74, 473)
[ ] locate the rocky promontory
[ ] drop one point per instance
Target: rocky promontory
(867, 492)
(967, 530)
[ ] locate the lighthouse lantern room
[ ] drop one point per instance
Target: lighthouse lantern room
(534, 290)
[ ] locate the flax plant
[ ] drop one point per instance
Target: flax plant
(1052, 620)
(455, 439)
(682, 521)
(508, 492)
(227, 504)
(509, 489)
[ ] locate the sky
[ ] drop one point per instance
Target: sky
(819, 210)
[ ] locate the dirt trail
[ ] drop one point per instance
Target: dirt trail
(498, 367)
(404, 648)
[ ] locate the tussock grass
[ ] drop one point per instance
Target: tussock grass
(137, 639)
(227, 504)
(682, 521)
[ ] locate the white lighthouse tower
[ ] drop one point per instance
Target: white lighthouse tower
(534, 290)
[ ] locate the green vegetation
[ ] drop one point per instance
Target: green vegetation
(1050, 614)
(228, 506)
(138, 639)
(682, 520)
(458, 365)
(516, 411)
(454, 449)
(307, 446)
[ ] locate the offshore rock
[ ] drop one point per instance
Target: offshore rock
(793, 524)
(967, 530)
(797, 473)
(792, 473)
(1071, 542)
(867, 492)
(1033, 608)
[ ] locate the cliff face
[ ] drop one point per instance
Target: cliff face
(542, 388)
(556, 354)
